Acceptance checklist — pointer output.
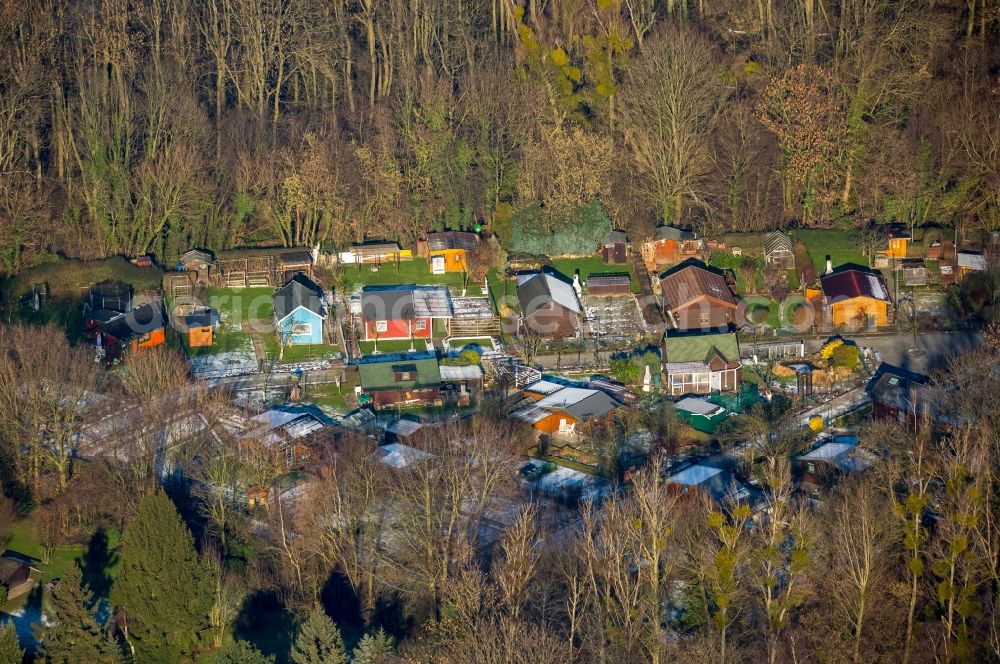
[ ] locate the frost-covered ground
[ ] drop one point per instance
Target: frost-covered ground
(612, 317)
(235, 362)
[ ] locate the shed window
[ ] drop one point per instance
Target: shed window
(301, 328)
(421, 325)
(381, 326)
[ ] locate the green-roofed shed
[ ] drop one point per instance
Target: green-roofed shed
(697, 347)
(401, 380)
(702, 363)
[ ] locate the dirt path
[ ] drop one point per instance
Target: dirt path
(258, 346)
(650, 312)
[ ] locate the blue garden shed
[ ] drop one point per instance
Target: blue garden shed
(300, 311)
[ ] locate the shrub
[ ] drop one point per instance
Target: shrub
(624, 370)
(577, 235)
(846, 356)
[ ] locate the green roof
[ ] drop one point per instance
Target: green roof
(704, 424)
(698, 347)
(382, 375)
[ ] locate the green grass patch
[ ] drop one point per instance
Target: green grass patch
(391, 346)
(226, 340)
(415, 271)
(240, 306)
(728, 262)
(78, 275)
(23, 542)
(329, 397)
(593, 265)
(765, 311)
(840, 246)
(63, 311)
(298, 352)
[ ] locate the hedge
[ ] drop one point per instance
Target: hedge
(578, 235)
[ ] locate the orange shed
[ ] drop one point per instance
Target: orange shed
(557, 409)
(199, 328)
(899, 238)
(142, 327)
(449, 251)
(856, 297)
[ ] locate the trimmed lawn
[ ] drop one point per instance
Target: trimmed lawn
(593, 265)
(298, 353)
(838, 245)
(227, 340)
(391, 346)
(329, 398)
(240, 306)
(415, 271)
(22, 541)
(767, 313)
(98, 560)
(240, 310)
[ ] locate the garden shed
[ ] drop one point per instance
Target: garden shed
(609, 285)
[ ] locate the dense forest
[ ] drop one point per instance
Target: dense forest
(151, 126)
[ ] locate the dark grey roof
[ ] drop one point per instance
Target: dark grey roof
(899, 230)
(405, 302)
(451, 240)
(899, 388)
(596, 405)
(135, 323)
(202, 318)
(668, 233)
(673, 233)
(295, 258)
(615, 237)
(537, 290)
(609, 279)
(850, 281)
(300, 291)
(375, 248)
(103, 315)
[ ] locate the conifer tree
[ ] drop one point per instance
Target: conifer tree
(318, 641)
(10, 650)
(373, 648)
(242, 652)
(163, 589)
(74, 637)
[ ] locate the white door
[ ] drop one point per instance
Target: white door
(715, 380)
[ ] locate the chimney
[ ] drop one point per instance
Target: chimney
(829, 265)
(576, 284)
